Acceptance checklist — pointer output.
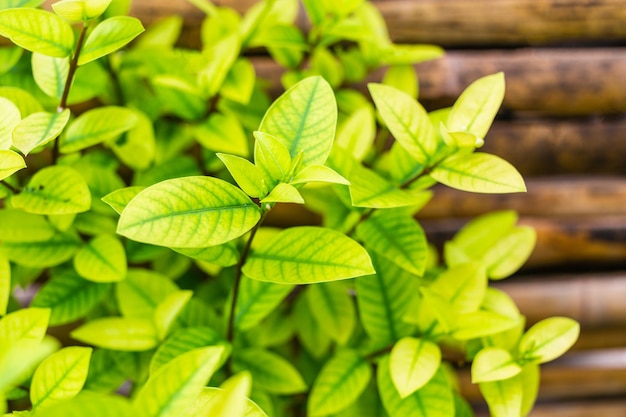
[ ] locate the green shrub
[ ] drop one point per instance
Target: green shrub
(136, 226)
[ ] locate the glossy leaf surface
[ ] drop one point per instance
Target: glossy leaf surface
(37, 31)
(110, 35)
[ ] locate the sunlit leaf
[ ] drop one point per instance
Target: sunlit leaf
(308, 254)
(137, 147)
(340, 382)
(247, 175)
(223, 132)
(549, 339)
(269, 371)
(25, 101)
(117, 333)
(510, 253)
(494, 364)
(20, 357)
(91, 404)
(163, 32)
(50, 73)
(19, 226)
(60, 376)
(42, 253)
(284, 193)
(272, 156)
(141, 292)
(318, 173)
(212, 395)
(11, 117)
(5, 284)
(481, 323)
(412, 363)
(10, 163)
(54, 190)
(166, 312)
(239, 83)
(181, 341)
(38, 31)
(220, 57)
(103, 259)
(26, 324)
(110, 35)
(333, 308)
(119, 199)
(356, 134)
(480, 173)
(225, 254)
(9, 56)
(188, 212)
(463, 285)
(256, 300)
(174, 387)
(38, 129)
(229, 401)
(504, 397)
(304, 120)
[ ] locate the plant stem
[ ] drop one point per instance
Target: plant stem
(68, 83)
(230, 332)
(10, 187)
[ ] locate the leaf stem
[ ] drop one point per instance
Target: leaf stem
(68, 83)
(10, 187)
(230, 332)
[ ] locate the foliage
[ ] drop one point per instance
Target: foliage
(140, 222)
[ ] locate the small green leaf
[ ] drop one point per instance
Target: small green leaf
(60, 376)
(38, 129)
(356, 134)
(69, 297)
(308, 254)
(318, 173)
(549, 339)
(463, 285)
(435, 399)
(103, 259)
(220, 57)
(96, 126)
(504, 397)
(272, 157)
(54, 190)
(407, 120)
(510, 253)
(117, 333)
(26, 324)
(269, 371)
(91, 404)
(10, 163)
(403, 78)
(212, 395)
(181, 341)
(11, 117)
(9, 57)
(167, 311)
(37, 31)
(163, 32)
(247, 175)
(137, 147)
(70, 10)
(5, 284)
(477, 106)
(223, 132)
(333, 309)
(141, 292)
(256, 300)
(229, 401)
(42, 254)
(19, 226)
(412, 363)
(312, 338)
(239, 83)
(479, 173)
(225, 254)
(494, 364)
(20, 357)
(340, 382)
(50, 73)
(481, 323)
(109, 36)
(188, 212)
(119, 199)
(25, 101)
(284, 193)
(304, 120)
(325, 64)
(530, 376)
(173, 388)
(396, 236)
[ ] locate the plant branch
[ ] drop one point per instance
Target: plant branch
(10, 187)
(68, 84)
(230, 332)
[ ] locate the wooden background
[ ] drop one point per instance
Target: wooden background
(563, 125)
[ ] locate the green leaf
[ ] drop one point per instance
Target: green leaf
(5, 284)
(167, 311)
(19, 358)
(109, 36)
(383, 300)
(318, 173)
(19, 226)
(256, 300)
(141, 292)
(38, 31)
(69, 297)
(164, 32)
(91, 404)
(510, 253)
(117, 333)
(463, 286)
(305, 254)
(137, 147)
(223, 132)
(54, 190)
(173, 388)
(269, 371)
(504, 397)
(25, 101)
(42, 254)
(229, 401)
(184, 340)
(60, 376)
(403, 78)
(407, 120)
(271, 155)
(311, 336)
(239, 83)
(549, 339)
(396, 236)
(481, 323)
(10, 163)
(9, 57)
(247, 175)
(103, 259)
(356, 134)
(480, 173)
(530, 386)
(220, 57)
(435, 399)
(284, 193)
(11, 117)
(225, 254)
(50, 73)
(494, 364)
(212, 395)
(26, 324)
(412, 364)
(304, 120)
(38, 129)
(211, 211)
(477, 106)
(324, 63)
(119, 199)
(96, 126)
(333, 309)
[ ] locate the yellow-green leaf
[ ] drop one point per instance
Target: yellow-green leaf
(494, 364)
(11, 117)
(38, 31)
(38, 129)
(50, 73)
(5, 284)
(110, 35)
(103, 259)
(412, 363)
(117, 333)
(549, 339)
(269, 371)
(10, 163)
